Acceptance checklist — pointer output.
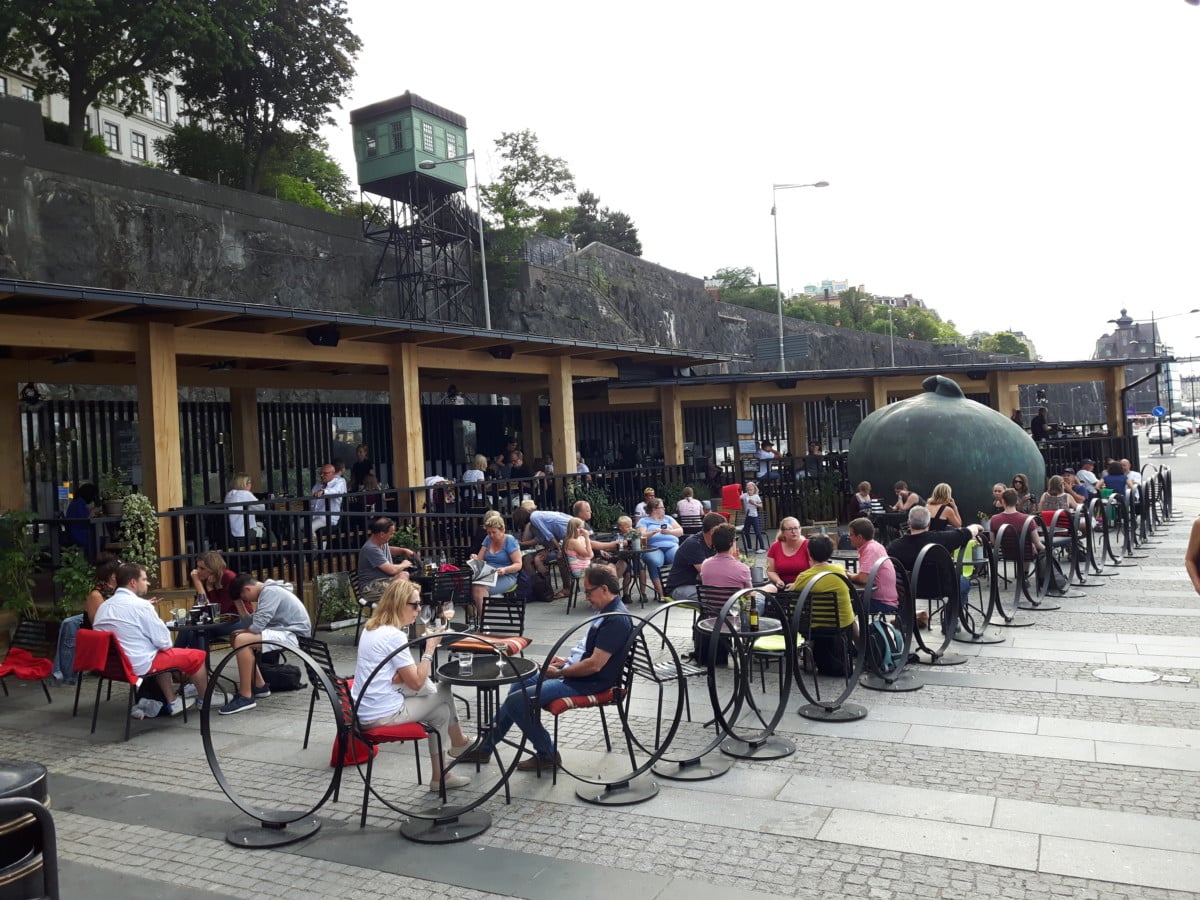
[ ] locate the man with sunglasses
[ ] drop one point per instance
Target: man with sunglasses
(598, 670)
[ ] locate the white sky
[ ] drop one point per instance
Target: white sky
(1028, 165)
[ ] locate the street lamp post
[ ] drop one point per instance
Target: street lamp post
(891, 336)
(778, 285)
(433, 164)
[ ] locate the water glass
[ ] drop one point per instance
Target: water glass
(466, 663)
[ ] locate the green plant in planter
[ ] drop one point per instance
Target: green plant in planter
(604, 511)
(114, 485)
(75, 578)
(334, 598)
(139, 531)
(405, 536)
(16, 565)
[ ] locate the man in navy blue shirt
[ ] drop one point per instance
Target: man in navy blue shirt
(599, 669)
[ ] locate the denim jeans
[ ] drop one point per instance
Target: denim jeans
(515, 711)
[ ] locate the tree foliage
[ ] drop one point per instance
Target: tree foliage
(1000, 342)
(592, 222)
(89, 49)
(528, 180)
(739, 285)
(295, 63)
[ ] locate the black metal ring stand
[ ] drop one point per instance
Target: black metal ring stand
(939, 557)
(836, 710)
(899, 680)
(974, 621)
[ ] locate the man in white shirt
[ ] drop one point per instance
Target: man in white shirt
(1135, 479)
(1087, 477)
(766, 451)
(328, 494)
(145, 638)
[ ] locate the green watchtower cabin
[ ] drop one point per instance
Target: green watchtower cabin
(426, 239)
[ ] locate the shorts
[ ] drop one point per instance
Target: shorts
(187, 661)
(280, 636)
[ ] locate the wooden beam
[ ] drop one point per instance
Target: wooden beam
(243, 415)
(531, 430)
(562, 415)
(82, 310)
(404, 389)
(158, 424)
(68, 334)
(1114, 383)
(672, 424)
(797, 429)
(482, 361)
(12, 485)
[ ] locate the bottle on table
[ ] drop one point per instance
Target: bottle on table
(753, 614)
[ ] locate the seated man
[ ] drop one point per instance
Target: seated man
(907, 547)
(884, 598)
(328, 494)
(639, 511)
(279, 616)
(599, 669)
(376, 566)
(1035, 549)
(690, 557)
(145, 639)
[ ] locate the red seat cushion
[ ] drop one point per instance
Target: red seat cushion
(356, 752)
(483, 643)
(408, 731)
(582, 701)
(25, 665)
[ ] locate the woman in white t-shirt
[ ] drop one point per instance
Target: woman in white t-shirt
(239, 492)
(688, 505)
(752, 506)
(401, 691)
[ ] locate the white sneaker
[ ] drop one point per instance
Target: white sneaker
(189, 690)
(175, 707)
(451, 781)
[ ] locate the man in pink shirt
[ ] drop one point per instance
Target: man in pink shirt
(862, 538)
(724, 569)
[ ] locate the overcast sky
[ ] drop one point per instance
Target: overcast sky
(1029, 165)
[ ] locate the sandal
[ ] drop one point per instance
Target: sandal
(561, 595)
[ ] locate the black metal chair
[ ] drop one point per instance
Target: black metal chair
(319, 651)
(23, 659)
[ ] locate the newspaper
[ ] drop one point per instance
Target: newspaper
(482, 573)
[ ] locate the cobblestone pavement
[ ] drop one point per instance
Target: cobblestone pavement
(1018, 775)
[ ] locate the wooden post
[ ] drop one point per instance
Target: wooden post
(243, 414)
(797, 429)
(12, 483)
(562, 414)
(879, 394)
(531, 432)
(408, 437)
(672, 424)
(158, 426)
(1114, 383)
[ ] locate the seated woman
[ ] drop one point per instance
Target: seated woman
(788, 556)
(943, 511)
(662, 534)
(905, 499)
(239, 522)
(1057, 496)
(105, 584)
(500, 551)
(578, 547)
(402, 692)
(211, 579)
(688, 505)
(863, 498)
(997, 498)
(1020, 484)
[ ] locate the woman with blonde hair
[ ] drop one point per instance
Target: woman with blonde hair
(943, 511)
(578, 546)
(401, 691)
(501, 551)
(1056, 496)
(241, 520)
(477, 471)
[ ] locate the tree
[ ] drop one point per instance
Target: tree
(212, 154)
(296, 63)
(1005, 342)
(739, 286)
(527, 181)
(305, 158)
(88, 49)
(593, 222)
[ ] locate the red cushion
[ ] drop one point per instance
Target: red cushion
(582, 701)
(409, 731)
(25, 665)
(356, 752)
(483, 643)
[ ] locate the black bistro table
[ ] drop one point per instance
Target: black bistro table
(742, 743)
(633, 559)
(202, 630)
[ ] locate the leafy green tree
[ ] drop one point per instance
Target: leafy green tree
(212, 154)
(1005, 342)
(295, 64)
(739, 286)
(88, 49)
(527, 182)
(306, 158)
(593, 222)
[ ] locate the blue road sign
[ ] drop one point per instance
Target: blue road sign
(1158, 412)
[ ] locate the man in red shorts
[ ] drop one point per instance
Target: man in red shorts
(145, 638)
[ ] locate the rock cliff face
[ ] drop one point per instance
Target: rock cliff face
(75, 218)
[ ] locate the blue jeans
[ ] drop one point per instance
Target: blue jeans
(656, 559)
(753, 527)
(515, 711)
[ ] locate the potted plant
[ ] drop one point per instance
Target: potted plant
(114, 489)
(406, 536)
(16, 570)
(139, 532)
(75, 578)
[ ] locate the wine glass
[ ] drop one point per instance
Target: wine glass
(426, 615)
(448, 612)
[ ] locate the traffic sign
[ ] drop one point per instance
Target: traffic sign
(1158, 412)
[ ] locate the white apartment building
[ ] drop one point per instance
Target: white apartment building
(128, 137)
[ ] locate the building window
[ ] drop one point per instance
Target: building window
(451, 146)
(370, 144)
(397, 137)
(427, 137)
(3, 85)
(162, 112)
(137, 146)
(112, 137)
(27, 92)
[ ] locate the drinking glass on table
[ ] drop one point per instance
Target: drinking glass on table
(448, 612)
